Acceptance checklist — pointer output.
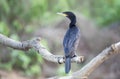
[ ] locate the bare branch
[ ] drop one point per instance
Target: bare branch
(35, 43)
(13, 44)
(83, 73)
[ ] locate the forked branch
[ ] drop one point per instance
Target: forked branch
(83, 73)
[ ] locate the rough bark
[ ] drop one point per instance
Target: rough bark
(83, 73)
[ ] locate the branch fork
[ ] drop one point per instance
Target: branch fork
(82, 73)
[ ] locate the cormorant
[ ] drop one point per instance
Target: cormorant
(71, 40)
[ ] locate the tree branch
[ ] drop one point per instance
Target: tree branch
(83, 73)
(35, 43)
(13, 44)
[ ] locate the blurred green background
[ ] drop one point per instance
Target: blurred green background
(24, 19)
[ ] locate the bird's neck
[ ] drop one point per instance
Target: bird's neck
(72, 23)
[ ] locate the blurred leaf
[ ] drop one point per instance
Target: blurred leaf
(62, 5)
(61, 70)
(14, 36)
(3, 28)
(34, 69)
(36, 58)
(39, 58)
(5, 6)
(6, 66)
(29, 29)
(38, 8)
(17, 25)
(22, 58)
(108, 12)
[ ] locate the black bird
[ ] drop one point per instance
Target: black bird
(71, 40)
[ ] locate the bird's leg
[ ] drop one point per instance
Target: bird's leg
(64, 59)
(74, 56)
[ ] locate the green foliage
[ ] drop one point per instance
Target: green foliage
(38, 7)
(21, 17)
(3, 28)
(20, 59)
(15, 17)
(106, 11)
(14, 36)
(61, 71)
(17, 25)
(29, 62)
(6, 65)
(29, 29)
(33, 70)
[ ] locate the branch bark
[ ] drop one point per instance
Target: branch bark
(83, 73)
(35, 43)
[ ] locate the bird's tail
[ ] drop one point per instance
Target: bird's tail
(67, 65)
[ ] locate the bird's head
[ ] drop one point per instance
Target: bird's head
(69, 15)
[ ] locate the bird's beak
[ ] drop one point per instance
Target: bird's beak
(62, 14)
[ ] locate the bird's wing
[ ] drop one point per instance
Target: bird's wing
(69, 41)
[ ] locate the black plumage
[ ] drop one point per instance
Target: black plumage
(71, 40)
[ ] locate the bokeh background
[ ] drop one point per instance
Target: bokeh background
(99, 21)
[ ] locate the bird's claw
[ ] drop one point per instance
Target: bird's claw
(81, 58)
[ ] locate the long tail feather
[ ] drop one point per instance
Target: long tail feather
(67, 65)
